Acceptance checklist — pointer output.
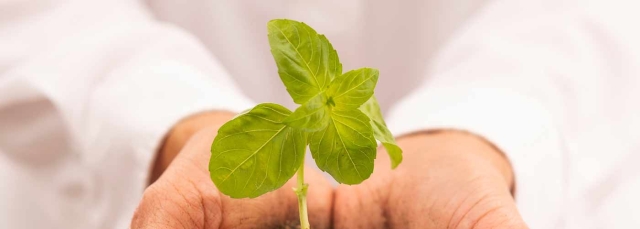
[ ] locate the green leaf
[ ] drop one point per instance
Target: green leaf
(306, 60)
(381, 132)
(333, 66)
(346, 148)
(353, 88)
(256, 153)
(311, 116)
(259, 150)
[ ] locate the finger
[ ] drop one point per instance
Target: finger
(452, 181)
(277, 209)
(439, 185)
(182, 197)
(363, 205)
(185, 197)
(167, 207)
(488, 208)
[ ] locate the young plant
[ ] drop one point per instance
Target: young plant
(339, 118)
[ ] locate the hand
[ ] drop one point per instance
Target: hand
(185, 197)
(448, 179)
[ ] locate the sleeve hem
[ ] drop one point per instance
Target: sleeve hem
(165, 93)
(198, 100)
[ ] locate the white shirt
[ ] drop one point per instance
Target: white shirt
(88, 89)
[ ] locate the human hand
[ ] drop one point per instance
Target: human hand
(185, 197)
(448, 179)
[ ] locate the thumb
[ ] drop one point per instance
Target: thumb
(497, 210)
(447, 180)
(185, 197)
(364, 205)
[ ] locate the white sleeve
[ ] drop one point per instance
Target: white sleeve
(502, 85)
(518, 124)
(115, 81)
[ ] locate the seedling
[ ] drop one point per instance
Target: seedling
(339, 118)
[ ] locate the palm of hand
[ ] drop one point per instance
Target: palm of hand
(185, 197)
(439, 185)
(427, 191)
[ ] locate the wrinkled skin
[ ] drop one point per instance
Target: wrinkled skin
(447, 180)
(185, 197)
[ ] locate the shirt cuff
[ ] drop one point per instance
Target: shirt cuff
(518, 125)
(132, 113)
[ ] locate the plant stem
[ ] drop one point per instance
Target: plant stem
(301, 192)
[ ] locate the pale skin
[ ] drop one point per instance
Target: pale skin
(448, 179)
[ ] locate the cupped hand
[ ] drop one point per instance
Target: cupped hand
(185, 197)
(448, 179)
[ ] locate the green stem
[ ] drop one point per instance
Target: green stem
(301, 192)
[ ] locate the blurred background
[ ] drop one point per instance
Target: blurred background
(70, 159)
(87, 92)
(360, 30)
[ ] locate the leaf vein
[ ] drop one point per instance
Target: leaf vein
(252, 155)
